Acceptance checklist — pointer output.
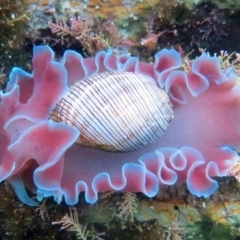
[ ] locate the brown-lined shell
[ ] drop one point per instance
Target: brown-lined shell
(115, 111)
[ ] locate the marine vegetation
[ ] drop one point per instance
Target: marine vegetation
(92, 35)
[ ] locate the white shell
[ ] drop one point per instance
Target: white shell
(115, 111)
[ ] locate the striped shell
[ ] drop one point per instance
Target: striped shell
(115, 111)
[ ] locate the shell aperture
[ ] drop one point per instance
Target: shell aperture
(115, 111)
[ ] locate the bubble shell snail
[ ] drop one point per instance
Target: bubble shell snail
(117, 104)
(115, 111)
